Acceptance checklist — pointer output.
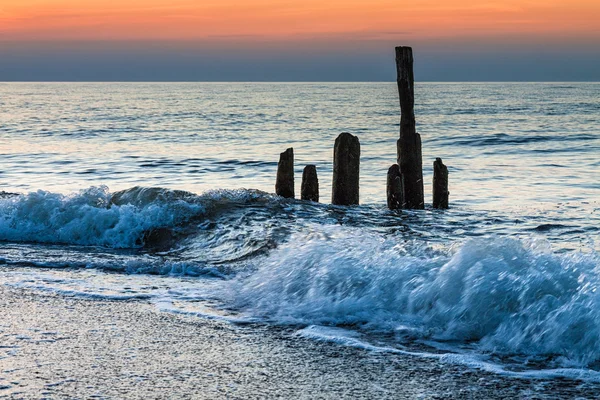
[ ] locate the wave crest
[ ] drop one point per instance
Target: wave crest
(505, 295)
(95, 217)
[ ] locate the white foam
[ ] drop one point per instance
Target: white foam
(167, 304)
(85, 218)
(350, 338)
(506, 296)
(96, 217)
(98, 295)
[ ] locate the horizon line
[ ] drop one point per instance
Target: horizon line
(288, 82)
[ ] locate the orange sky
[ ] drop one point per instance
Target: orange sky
(295, 19)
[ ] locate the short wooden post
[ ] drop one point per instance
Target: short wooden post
(410, 157)
(284, 185)
(440, 184)
(310, 184)
(394, 188)
(346, 168)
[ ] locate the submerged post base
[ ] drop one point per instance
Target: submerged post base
(310, 184)
(346, 167)
(440, 184)
(284, 186)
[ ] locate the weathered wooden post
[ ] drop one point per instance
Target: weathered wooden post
(440, 184)
(346, 167)
(394, 188)
(410, 157)
(284, 185)
(310, 184)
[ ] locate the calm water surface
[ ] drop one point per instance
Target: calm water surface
(506, 144)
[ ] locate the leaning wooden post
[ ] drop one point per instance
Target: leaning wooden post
(440, 184)
(346, 167)
(394, 188)
(410, 157)
(284, 186)
(310, 184)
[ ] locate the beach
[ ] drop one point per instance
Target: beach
(65, 347)
(299, 199)
(143, 252)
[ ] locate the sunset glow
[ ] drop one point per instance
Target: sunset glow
(276, 20)
(297, 40)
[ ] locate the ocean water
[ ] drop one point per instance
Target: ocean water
(163, 193)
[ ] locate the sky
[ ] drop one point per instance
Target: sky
(298, 40)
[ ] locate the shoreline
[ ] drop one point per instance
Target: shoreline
(64, 347)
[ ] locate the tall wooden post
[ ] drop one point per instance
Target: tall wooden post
(284, 185)
(410, 158)
(346, 167)
(440, 184)
(310, 184)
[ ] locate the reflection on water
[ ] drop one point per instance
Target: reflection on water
(506, 144)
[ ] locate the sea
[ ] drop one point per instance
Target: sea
(164, 193)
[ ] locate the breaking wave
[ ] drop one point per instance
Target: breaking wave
(505, 296)
(385, 275)
(96, 217)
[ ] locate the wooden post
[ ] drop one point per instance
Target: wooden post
(410, 158)
(394, 188)
(310, 184)
(284, 186)
(440, 184)
(346, 167)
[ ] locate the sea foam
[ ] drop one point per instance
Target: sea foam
(506, 296)
(97, 217)
(503, 296)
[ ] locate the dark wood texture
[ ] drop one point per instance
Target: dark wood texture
(394, 188)
(440, 184)
(284, 186)
(410, 158)
(310, 184)
(346, 168)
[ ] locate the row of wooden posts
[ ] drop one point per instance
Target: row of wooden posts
(404, 179)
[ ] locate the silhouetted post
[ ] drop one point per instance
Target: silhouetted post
(346, 166)
(310, 184)
(284, 186)
(394, 188)
(440, 184)
(409, 145)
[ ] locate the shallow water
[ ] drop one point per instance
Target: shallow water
(506, 280)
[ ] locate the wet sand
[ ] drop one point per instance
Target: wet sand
(61, 347)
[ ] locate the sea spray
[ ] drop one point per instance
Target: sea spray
(95, 217)
(84, 218)
(504, 295)
(362, 268)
